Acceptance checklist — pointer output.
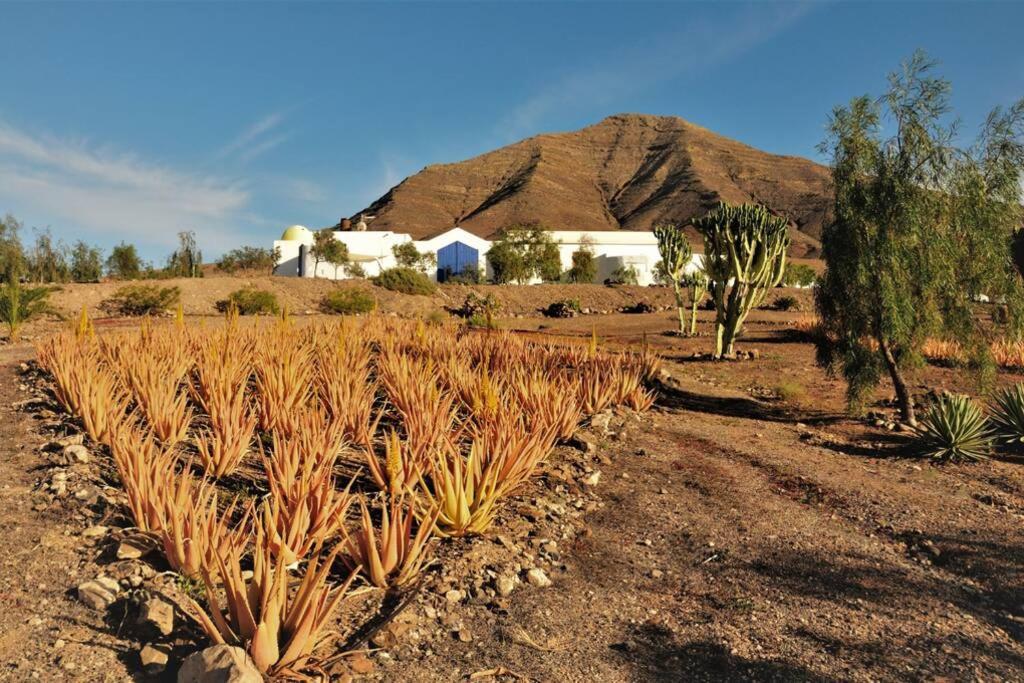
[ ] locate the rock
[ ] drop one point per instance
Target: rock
(98, 531)
(72, 440)
(593, 479)
(602, 421)
(656, 574)
(99, 593)
(153, 658)
(504, 585)
(538, 578)
(359, 663)
(219, 664)
(134, 547)
(157, 615)
(75, 453)
(454, 595)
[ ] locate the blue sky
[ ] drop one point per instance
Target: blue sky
(136, 120)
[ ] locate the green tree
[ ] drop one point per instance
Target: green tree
(744, 256)
(920, 228)
(248, 258)
(86, 263)
(676, 254)
(187, 260)
(124, 263)
(584, 265)
(408, 256)
(328, 249)
(47, 262)
(524, 252)
(12, 255)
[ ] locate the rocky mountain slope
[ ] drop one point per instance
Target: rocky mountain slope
(628, 172)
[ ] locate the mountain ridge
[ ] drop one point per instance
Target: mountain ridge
(626, 172)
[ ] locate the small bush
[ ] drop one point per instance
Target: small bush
(1007, 411)
(250, 301)
(640, 307)
(248, 258)
(799, 275)
(790, 391)
(134, 300)
(567, 308)
(349, 302)
(405, 280)
(481, 320)
(474, 304)
(955, 429)
(20, 304)
(786, 303)
(623, 275)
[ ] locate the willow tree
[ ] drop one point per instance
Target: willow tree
(921, 229)
(744, 256)
(675, 252)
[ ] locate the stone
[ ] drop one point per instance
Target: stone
(134, 547)
(656, 574)
(601, 421)
(454, 595)
(504, 585)
(76, 453)
(99, 593)
(359, 663)
(219, 664)
(157, 615)
(98, 531)
(153, 658)
(593, 479)
(538, 578)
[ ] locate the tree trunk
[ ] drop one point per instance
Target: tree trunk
(680, 308)
(693, 319)
(903, 396)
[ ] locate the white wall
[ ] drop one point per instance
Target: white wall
(372, 249)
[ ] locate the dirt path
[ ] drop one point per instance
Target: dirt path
(730, 547)
(45, 632)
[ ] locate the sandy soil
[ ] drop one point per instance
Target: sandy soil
(730, 535)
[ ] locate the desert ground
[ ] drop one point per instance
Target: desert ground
(745, 528)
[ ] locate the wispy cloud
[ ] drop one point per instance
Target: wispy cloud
(258, 138)
(625, 72)
(108, 195)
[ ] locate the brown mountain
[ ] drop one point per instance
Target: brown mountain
(628, 172)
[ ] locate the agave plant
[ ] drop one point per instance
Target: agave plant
(1007, 415)
(955, 429)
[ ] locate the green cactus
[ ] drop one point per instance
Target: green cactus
(744, 257)
(697, 283)
(675, 253)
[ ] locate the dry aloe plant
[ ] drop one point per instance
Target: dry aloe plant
(192, 530)
(399, 471)
(283, 376)
(463, 489)
(393, 555)
(146, 473)
(280, 627)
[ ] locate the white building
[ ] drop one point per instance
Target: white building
(458, 250)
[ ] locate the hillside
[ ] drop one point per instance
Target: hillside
(628, 172)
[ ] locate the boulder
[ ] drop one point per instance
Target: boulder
(219, 664)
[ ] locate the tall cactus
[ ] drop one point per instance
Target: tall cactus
(697, 283)
(675, 253)
(744, 257)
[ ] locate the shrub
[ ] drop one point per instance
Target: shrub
(354, 269)
(248, 258)
(20, 304)
(567, 308)
(523, 252)
(798, 275)
(250, 301)
(1007, 411)
(405, 280)
(135, 300)
(474, 304)
(954, 429)
(349, 302)
(623, 275)
(790, 391)
(408, 256)
(584, 265)
(786, 303)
